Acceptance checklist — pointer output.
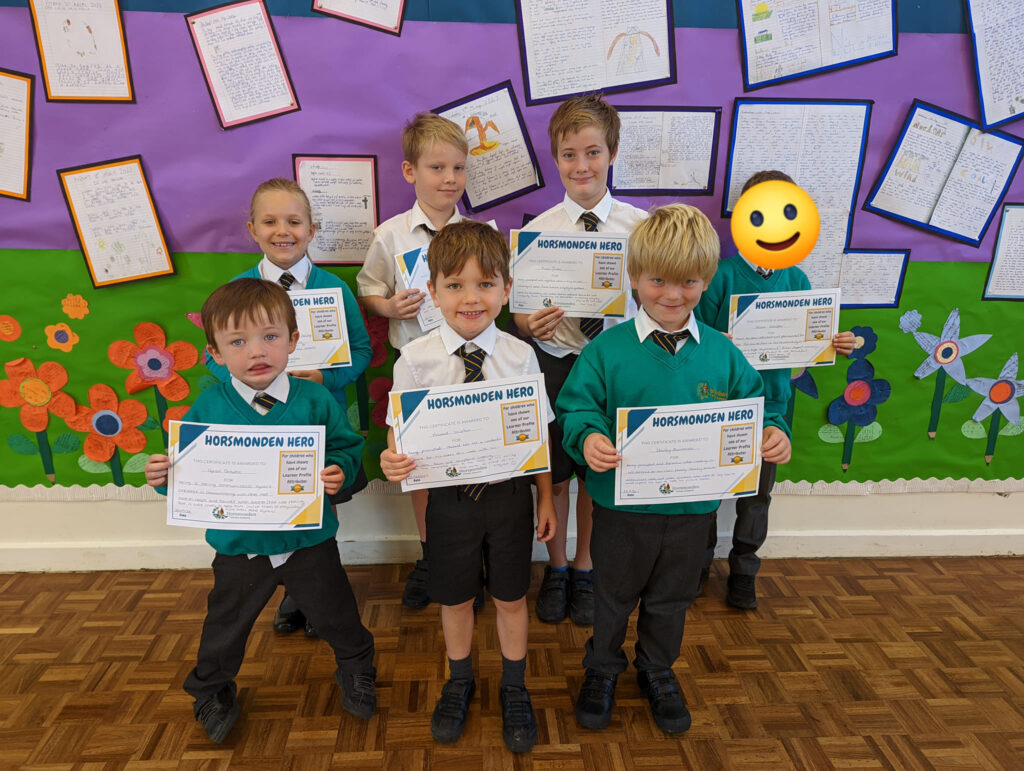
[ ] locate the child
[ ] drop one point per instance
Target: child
(651, 553)
(435, 151)
(469, 281)
(250, 329)
(281, 223)
(740, 276)
(584, 134)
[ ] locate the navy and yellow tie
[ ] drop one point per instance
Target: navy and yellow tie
(430, 231)
(473, 362)
(669, 340)
(763, 272)
(590, 221)
(286, 280)
(264, 400)
(590, 328)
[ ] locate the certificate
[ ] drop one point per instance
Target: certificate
(414, 273)
(688, 452)
(342, 192)
(245, 477)
(15, 133)
(779, 330)
(323, 336)
(469, 433)
(584, 274)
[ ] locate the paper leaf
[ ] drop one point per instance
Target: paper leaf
(831, 434)
(869, 433)
(66, 443)
(149, 424)
(22, 445)
(90, 466)
(972, 429)
(136, 463)
(957, 393)
(1011, 430)
(206, 381)
(353, 417)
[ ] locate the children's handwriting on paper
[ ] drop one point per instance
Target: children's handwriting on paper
(1007, 276)
(82, 48)
(340, 193)
(1000, 57)
(664, 150)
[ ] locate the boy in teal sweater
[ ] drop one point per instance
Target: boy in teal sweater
(250, 329)
(652, 553)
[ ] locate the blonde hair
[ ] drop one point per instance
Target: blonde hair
(280, 185)
(455, 244)
(675, 243)
(770, 175)
(426, 129)
(575, 114)
(246, 298)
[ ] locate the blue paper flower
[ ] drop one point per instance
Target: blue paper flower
(1000, 393)
(864, 342)
(859, 402)
(946, 350)
(804, 381)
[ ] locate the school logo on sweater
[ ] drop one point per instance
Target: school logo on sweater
(705, 393)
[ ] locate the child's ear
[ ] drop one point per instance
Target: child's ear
(215, 354)
(508, 291)
(252, 230)
(433, 293)
(293, 342)
(409, 172)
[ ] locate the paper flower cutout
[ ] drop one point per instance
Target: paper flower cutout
(75, 306)
(37, 392)
(377, 329)
(195, 318)
(110, 423)
(175, 413)
(10, 329)
(804, 381)
(865, 340)
(910, 322)
(859, 403)
(61, 337)
(378, 391)
(153, 362)
(946, 350)
(1000, 393)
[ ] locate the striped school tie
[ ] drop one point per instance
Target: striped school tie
(668, 340)
(264, 400)
(286, 280)
(590, 328)
(763, 272)
(590, 221)
(430, 231)
(473, 363)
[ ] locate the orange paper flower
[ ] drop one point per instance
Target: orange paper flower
(175, 413)
(110, 424)
(75, 306)
(10, 329)
(61, 337)
(36, 392)
(153, 362)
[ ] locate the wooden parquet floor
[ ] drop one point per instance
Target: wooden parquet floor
(894, 664)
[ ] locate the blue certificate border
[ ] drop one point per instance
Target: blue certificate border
(605, 89)
(919, 104)
(985, 123)
(747, 86)
(505, 85)
(995, 253)
(709, 190)
(899, 286)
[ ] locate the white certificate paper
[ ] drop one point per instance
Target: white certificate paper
(414, 273)
(689, 452)
(15, 133)
(342, 191)
(487, 431)
(245, 477)
(584, 274)
(323, 336)
(779, 330)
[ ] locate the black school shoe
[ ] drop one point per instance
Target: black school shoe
(553, 598)
(286, 623)
(218, 714)
(449, 716)
(415, 595)
(667, 704)
(518, 723)
(594, 704)
(358, 692)
(581, 597)
(741, 592)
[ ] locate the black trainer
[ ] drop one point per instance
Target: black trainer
(553, 598)
(741, 592)
(358, 692)
(449, 716)
(415, 595)
(667, 704)
(594, 705)
(286, 622)
(518, 723)
(217, 716)
(309, 631)
(581, 597)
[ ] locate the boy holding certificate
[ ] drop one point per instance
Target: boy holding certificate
(469, 282)
(651, 553)
(584, 133)
(738, 275)
(251, 329)
(435, 151)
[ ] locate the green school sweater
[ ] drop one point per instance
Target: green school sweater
(735, 276)
(617, 370)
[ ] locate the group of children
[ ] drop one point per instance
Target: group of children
(666, 351)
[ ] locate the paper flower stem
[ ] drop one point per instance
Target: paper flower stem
(940, 391)
(790, 407)
(46, 454)
(115, 468)
(851, 433)
(161, 412)
(993, 434)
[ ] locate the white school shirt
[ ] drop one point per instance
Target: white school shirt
(645, 325)
(431, 360)
(615, 217)
(300, 271)
(398, 235)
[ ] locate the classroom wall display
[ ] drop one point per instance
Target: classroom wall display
(342, 191)
(57, 329)
(385, 16)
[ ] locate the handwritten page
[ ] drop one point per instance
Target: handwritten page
(783, 39)
(1006, 276)
(343, 194)
(15, 133)
(384, 15)
(573, 46)
(501, 162)
(241, 61)
(116, 221)
(999, 57)
(872, 278)
(82, 48)
(665, 150)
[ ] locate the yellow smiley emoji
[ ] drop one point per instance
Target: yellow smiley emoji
(775, 224)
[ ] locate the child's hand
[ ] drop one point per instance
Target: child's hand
(396, 466)
(547, 520)
(775, 446)
(333, 478)
(405, 304)
(313, 375)
(843, 343)
(599, 452)
(542, 323)
(156, 470)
